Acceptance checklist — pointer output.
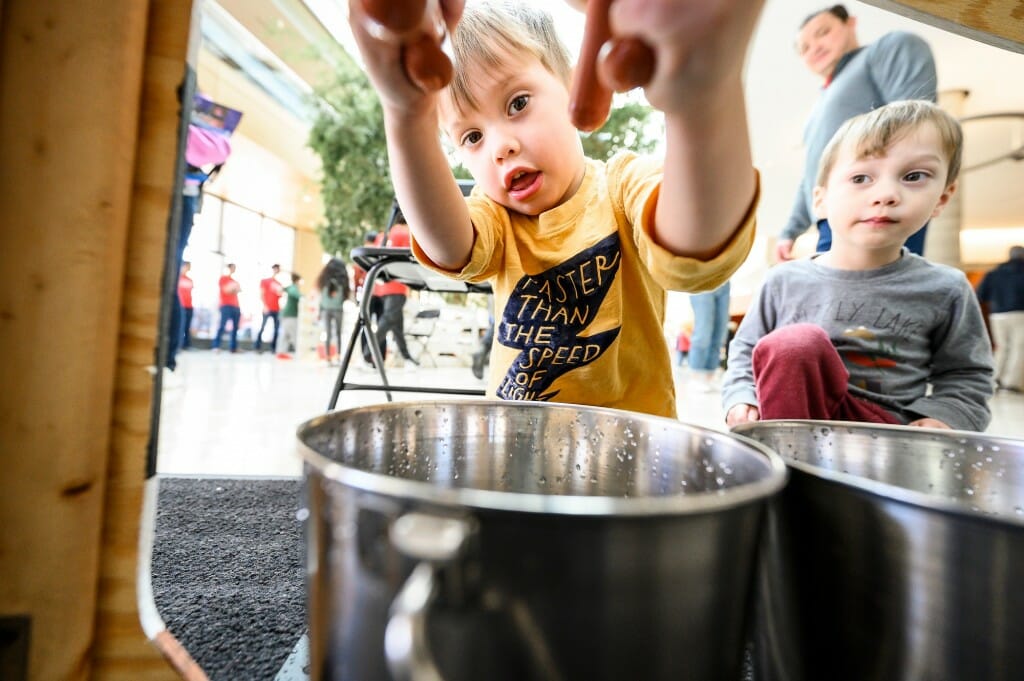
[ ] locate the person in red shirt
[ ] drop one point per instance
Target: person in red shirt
(683, 344)
(185, 300)
(270, 292)
(229, 309)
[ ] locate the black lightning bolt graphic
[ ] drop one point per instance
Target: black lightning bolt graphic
(545, 315)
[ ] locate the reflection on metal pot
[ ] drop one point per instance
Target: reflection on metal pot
(893, 553)
(581, 542)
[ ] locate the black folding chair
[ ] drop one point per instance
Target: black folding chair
(394, 264)
(419, 331)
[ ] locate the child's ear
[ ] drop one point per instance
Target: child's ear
(820, 193)
(947, 194)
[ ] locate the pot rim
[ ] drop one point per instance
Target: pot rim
(573, 505)
(887, 490)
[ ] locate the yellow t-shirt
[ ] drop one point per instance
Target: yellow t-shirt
(579, 291)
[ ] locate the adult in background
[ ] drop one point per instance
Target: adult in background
(856, 79)
(270, 292)
(1001, 293)
(393, 295)
(683, 340)
(206, 150)
(185, 286)
(334, 290)
(288, 341)
(710, 327)
(230, 312)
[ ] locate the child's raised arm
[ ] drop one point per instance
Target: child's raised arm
(699, 47)
(424, 184)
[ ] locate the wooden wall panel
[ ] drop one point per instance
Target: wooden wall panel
(72, 448)
(122, 652)
(69, 88)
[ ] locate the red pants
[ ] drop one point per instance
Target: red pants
(799, 375)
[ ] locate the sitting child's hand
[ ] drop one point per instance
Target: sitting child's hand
(928, 423)
(742, 413)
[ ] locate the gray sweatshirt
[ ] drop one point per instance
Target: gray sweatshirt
(896, 66)
(920, 319)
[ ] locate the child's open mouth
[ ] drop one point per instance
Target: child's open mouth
(524, 184)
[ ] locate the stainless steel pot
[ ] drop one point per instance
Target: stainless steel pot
(894, 553)
(472, 540)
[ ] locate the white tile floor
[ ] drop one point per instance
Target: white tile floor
(237, 414)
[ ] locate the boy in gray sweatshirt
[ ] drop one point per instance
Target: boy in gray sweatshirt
(860, 332)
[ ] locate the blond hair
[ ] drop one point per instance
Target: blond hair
(874, 132)
(491, 32)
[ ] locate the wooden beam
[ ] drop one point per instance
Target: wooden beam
(69, 88)
(995, 22)
(75, 225)
(121, 651)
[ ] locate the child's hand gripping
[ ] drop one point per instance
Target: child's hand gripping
(400, 40)
(409, 33)
(679, 50)
(742, 413)
(605, 64)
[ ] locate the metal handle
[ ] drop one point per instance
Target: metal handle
(433, 540)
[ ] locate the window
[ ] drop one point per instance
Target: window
(226, 232)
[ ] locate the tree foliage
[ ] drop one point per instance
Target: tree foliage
(627, 128)
(348, 136)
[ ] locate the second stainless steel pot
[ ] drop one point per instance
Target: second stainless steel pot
(893, 554)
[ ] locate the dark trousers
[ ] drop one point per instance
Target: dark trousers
(273, 316)
(186, 327)
(189, 206)
(914, 242)
(392, 318)
(332, 320)
(228, 313)
(798, 374)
